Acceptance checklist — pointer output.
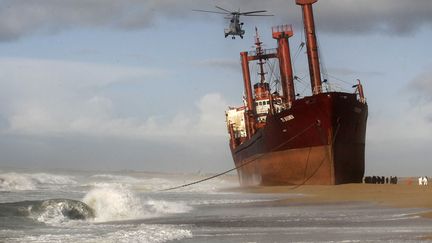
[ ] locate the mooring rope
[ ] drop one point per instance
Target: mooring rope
(322, 161)
(316, 123)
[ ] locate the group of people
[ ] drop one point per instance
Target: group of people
(423, 181)
(380, 180)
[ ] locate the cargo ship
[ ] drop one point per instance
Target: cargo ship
(279, 138)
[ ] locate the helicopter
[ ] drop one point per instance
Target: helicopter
(235, 26)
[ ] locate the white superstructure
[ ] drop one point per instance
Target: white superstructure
(236, 118)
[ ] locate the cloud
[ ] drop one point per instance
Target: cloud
(420, 92)
(42, 94)
(47, 97)
(211, 114)
(349, 16)
(385, 16)
(99, 139)
(421, 86)
(50, 97)
(399, 130)
(34, 74)
(429, 118)
(95, 118)
(38, 92)
(19, 18)
(408, 116)
(61, 115)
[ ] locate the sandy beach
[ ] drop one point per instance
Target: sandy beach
(404, 195)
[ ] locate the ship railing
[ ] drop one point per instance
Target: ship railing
(317, 90)
(282, 28)
(362, 100)
(264, 52)
(334, 87)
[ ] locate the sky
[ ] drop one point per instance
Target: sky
(143, 85)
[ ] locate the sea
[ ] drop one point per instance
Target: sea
(128, 206)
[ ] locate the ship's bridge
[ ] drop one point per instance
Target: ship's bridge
(262, 108)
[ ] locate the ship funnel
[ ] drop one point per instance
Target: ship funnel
(311, 44)
(249, 119)
(247, 80)
(281, 34)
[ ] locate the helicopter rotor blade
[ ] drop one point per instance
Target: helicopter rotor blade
(258, 15)
(258, 11)
(223, 9)
(198, 10)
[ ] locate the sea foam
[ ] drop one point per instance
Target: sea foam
(112, 202)
(25, 181)
(16, 182)
(112, 234)
(116, 178)
(148, 233)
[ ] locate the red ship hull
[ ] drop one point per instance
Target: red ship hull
(319, 140)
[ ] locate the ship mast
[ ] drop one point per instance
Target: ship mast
(259, 54)
(311, 45)
(262, 89)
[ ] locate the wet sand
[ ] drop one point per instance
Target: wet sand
(406, 195)
(400, 195)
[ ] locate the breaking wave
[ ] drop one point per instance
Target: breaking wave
(22, 181)
(106, 202)
(113, 202)
(57, 211)
(52, 211)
